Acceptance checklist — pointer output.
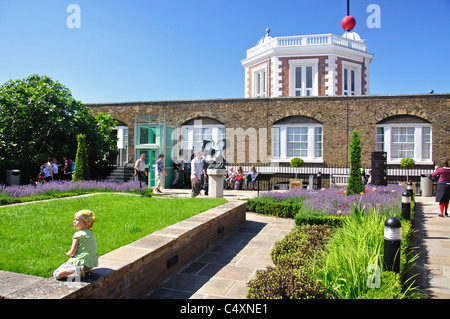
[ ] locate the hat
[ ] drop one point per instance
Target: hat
(87, 216)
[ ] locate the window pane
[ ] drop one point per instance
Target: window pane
(402, 142)
(297, 141)
(263, 89)
(380, 139)
(426, 143)
(309, 80)
(345, 79)
(298, 77)
(318, 142)
(352, 79)
(276, 143)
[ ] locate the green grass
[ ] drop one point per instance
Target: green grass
(35, 237)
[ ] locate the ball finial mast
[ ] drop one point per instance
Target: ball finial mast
(348, 23)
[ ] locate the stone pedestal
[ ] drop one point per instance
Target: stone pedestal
(295, 183)
(215, 182)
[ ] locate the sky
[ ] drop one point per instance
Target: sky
(147, 50)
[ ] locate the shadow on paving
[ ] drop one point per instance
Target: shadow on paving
(188, 281)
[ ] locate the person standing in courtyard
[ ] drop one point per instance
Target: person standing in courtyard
(160, 169)
(443, 186)
(48, 170)
(139, 169)
(67, 169)
(196, 174)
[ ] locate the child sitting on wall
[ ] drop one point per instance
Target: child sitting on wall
(83, 253)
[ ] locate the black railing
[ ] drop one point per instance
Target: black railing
(283, 172)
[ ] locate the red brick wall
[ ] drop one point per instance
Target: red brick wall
(285, 73)
(339, 80)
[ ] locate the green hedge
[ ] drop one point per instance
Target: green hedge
(298, 258)
(279, 209)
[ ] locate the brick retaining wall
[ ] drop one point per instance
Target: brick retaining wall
(135, 269)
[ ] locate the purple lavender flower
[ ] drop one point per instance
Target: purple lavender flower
(335, 201)
(67, 186)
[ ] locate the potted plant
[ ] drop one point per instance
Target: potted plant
(296, 183)
(407, 163)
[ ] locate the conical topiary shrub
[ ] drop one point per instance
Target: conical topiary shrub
(82, 171)
(355, 183)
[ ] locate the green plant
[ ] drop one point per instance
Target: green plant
(355, 183)
(315, 217)
(297, 162)
(81, 171)
(39, 115)
(293, 256)
(407, 163)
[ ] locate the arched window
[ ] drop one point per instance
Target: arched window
(297, 136)
(195, 131)
(403, 136)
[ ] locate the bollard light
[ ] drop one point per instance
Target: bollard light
(392, 240)
(319, 180)
(410, 189)
(406, 205)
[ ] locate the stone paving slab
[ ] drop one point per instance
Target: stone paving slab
(433, 241)
(223, 271)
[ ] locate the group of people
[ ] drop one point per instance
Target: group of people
(141, 173)
(52, 171)
(237, 179)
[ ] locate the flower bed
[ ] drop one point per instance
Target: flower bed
(324, 205)
(55, 189)
(339, 266)
(321, 262)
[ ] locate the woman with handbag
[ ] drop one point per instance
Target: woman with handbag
(443, 186)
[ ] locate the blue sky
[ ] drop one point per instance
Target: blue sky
(146, 50)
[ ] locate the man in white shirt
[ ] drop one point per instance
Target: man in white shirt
(196, 174)
(139, 169)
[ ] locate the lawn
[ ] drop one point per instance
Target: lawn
(35, 237)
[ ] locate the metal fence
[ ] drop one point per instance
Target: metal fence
(321, 175)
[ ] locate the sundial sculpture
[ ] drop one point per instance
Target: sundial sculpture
(216, 152)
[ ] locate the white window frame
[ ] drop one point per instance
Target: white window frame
(260, 88)
(385, 141)
(349, 66)
(187, 135)
(303, 63)
(280, 143)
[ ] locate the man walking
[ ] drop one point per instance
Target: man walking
(196, 174)
(139, 169)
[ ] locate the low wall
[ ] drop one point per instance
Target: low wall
(133, 270)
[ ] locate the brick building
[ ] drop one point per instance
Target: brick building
(304, 95)
(308, 65)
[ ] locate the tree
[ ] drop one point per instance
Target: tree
(40, 116)
(407, 163)
(355, 183)
(81, 171)
(297, 162)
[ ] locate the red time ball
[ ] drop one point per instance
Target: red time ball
(348, 23)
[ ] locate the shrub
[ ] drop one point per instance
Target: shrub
(292, 277)
(355, 184)
(311, 217)
(297, 162)
(285, 283)
(302, 242)
(81, 171)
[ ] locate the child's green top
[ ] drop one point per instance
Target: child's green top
(87, 249)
